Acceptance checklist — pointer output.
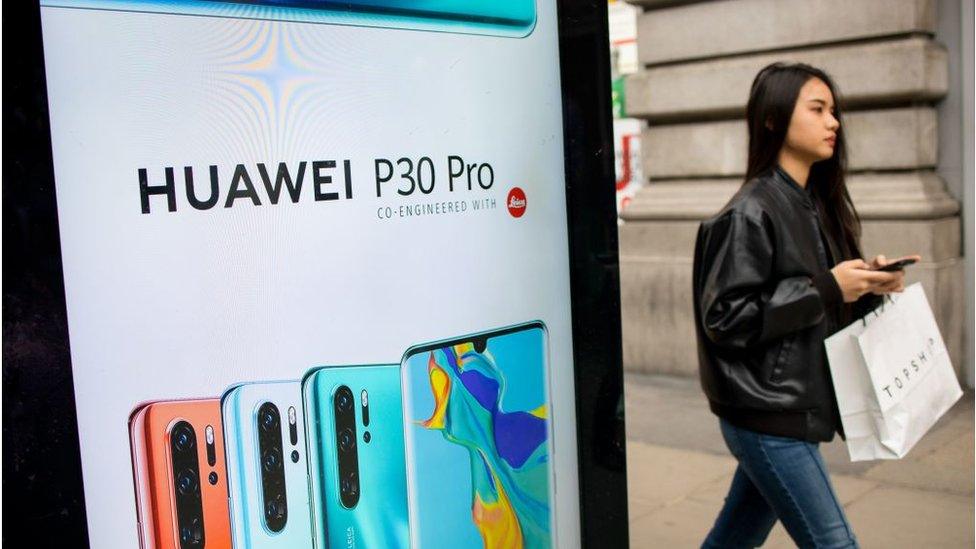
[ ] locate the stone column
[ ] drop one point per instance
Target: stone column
(698, 61)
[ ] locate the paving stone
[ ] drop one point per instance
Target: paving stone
(637, 508)
(659, 476)
(898, 517)
(683, 524)
(947, 469)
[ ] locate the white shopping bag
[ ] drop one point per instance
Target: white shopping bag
(859, 409)
(892, 377)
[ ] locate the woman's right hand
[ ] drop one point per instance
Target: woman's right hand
(856, 278)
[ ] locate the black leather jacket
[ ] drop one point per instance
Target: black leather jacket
(765, 300)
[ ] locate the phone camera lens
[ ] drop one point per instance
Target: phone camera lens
(186, 482)
(191, 534)
(347, 440)
(343, 400)
(272, 460)
(294, 456)
(275, 509)
(269, 419)
(212, 478)
(183, 438)
(350, 485)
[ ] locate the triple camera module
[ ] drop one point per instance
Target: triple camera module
(186, 475)
(344, 404)
(272, 467)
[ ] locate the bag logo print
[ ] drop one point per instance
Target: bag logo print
(900, 381)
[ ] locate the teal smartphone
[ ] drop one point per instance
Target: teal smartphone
(478, 440)
(354, 417)
(508, 18)
(267, 472)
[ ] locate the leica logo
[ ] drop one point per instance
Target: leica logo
(516, 202)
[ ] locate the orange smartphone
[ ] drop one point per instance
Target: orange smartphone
(179, 474)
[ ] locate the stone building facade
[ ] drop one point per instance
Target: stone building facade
(698, 60)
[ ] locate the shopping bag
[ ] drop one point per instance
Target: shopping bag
(910, 370)
(892, 376)
(859, 409)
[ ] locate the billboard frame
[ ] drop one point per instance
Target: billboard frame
(42, 464)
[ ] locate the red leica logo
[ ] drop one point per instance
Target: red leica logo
(516, 202)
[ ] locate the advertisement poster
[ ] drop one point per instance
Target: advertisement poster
(316, 271)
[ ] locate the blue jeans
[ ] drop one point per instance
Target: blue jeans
(778, 478)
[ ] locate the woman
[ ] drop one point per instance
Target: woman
(777, 271)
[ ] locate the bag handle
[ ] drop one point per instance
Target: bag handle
(887, 297)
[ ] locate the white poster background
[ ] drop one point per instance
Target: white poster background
(179, 304)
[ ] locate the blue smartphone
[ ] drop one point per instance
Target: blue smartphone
(267, 473)
(354, 416)
(478, 440)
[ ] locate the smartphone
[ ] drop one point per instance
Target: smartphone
(506, 18)
(267, 475)
(178, 472)
(354, 417)
(478, 440)
(897, 265)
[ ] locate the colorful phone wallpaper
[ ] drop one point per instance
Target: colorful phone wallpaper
(178, 470)
(267, 474)
(478, 448)
(354, 417)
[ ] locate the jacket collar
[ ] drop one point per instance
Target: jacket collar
(804, 195)
(793, 188)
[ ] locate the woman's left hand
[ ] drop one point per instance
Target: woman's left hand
(896, 285)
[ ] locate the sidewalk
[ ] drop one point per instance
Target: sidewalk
(679, 471)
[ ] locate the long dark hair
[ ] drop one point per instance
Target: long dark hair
(771, 102)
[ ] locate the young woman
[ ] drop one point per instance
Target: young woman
(776, 272)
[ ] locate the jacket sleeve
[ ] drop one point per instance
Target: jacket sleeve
(740, 303)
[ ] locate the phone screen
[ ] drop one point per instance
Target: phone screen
(478, 441)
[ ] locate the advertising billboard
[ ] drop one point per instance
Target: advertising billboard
(317, 272)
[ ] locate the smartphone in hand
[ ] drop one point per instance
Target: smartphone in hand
(897, 265)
